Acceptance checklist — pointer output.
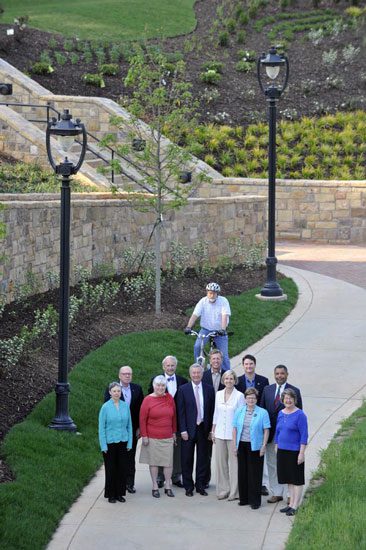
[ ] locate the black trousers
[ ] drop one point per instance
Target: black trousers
(209, 449)
(200, 443)
(115, 465)
(131, 463)
(250, 471)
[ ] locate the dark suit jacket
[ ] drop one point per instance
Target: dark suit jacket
(180, 381)
(260, 383)
(187, 409)
(207, 379)
(137, 397)
(267, 402)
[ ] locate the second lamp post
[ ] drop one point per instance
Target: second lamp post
(274, 65)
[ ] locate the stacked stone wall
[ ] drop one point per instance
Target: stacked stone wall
(319, 211)
(102, 227)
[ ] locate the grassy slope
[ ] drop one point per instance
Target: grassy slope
(107, 20)
(52, 468)
(335, 515)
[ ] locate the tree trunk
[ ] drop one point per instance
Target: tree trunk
(158, 269)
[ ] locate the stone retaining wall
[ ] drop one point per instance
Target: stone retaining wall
(103, 226)
(311, 210)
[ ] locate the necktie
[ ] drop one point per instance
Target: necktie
(171, 379)
(198, 404)
(277, 397)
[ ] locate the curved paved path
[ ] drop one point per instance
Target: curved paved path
(323, 343)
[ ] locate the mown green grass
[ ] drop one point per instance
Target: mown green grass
(334, 514)
(51, 468)
(107, 20)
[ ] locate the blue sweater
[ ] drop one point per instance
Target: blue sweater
(115, 424)
(260, 422)
(291, 430)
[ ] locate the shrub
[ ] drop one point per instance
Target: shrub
(74, 58)
(223, 38)
(243, 18)
(109, 69)
(350, 52)
(231, 25)
(60, 58)
(216, 66)
(243, 66)
(240, 37)
(42, 68)
(329, 57)
(210, 77)
(94, 79)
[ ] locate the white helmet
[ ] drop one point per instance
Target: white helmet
(214, 287)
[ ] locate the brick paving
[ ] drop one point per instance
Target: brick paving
(344, 262)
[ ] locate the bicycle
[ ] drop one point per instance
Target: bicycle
(201, 359)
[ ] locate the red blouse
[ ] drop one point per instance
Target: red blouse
(158, 418)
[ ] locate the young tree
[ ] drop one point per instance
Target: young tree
(161, 98)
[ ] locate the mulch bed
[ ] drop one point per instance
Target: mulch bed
(239, 94)
(23, 386)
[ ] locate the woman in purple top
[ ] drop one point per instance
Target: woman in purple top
(291, 439)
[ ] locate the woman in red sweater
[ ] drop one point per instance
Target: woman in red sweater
(158, 426)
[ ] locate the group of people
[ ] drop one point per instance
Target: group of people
(248, 420)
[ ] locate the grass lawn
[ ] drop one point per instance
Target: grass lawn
(52, 468)
(335, 514)
(110, 20)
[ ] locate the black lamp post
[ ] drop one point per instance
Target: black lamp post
(274, 64)
(65, 130)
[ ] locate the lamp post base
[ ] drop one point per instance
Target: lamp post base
(63, 424)
(281, 298)
(62, 420)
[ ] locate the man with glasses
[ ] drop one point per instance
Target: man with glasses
(132, 394)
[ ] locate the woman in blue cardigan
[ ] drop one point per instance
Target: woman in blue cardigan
(250, 433)
(291, 439)
(115, 438)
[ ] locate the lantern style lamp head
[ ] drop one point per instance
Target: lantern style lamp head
(66, 130)
(274, 64)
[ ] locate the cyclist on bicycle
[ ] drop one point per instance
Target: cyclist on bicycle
(214, 312)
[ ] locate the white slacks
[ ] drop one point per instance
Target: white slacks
(226, 469)
(275, 488)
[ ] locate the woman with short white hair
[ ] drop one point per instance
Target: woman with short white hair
(158, 426)
(227, 402)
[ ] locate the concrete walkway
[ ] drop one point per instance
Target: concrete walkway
(323, 343)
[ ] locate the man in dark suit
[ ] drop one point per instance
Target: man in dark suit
(212, 376)
(195, 408)
(133, 395)
(271, 401)
(250, 379)
(173, 382)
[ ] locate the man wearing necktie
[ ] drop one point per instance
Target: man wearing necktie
(271, 401)
(173, 381)
(195, 408)
(132, 394)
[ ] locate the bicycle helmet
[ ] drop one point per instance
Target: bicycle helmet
(214, 287)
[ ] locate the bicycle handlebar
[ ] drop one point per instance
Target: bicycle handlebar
(213, 333)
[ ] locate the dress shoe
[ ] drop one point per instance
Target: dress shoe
(264, 491)
(178, 483)
(285, 509)
(254, 506)
(222, 497)
(112, 500)
(240, 503)
(169, 493)
(189, 493)
(121, 499)
(291, 512)
(207, 485)
(155, 493)
(160, 483)
(131, 489)
(274, 499)
(202, 492)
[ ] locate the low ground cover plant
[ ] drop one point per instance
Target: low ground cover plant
(329, 147)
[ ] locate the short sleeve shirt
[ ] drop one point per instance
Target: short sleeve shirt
(212, 312)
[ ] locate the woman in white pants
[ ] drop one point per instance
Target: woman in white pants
(226, 403)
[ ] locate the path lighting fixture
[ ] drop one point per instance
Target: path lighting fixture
(6, 89)
(273, 73)
(185, 176)
(65, 130)
(138, 144)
